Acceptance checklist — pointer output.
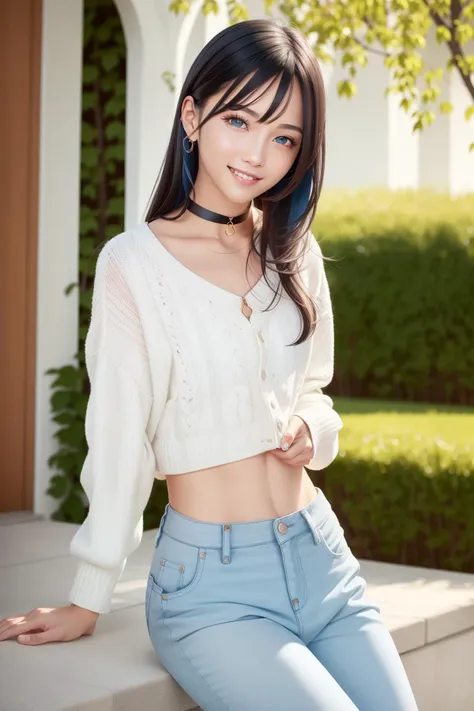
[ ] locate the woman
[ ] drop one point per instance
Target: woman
(210, 341)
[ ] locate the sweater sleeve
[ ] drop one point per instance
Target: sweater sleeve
(118, 472)
(312, 405)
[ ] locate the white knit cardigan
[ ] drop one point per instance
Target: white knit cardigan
(182, 380)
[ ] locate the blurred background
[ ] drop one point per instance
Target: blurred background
(90, 91)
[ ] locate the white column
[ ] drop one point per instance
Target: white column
(358, 133)
(150, 52)
(434, 140)
(403, 147)
(461, 135)
(59, 186)
(216, 23)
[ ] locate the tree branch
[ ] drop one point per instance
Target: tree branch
(439, 21)
(456, 10)
(454, 46)
(368, 48)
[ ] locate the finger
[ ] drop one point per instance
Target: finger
(15, 626)
(296, 450)
(7, 622)
(52, 635)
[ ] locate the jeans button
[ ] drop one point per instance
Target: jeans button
(282, 527)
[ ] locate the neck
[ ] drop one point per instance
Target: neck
(207, 195)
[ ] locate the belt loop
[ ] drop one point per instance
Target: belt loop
(314, 530)
(160, 528)
(225, 556)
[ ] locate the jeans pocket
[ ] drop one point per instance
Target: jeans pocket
(332, 536)
(177, 567)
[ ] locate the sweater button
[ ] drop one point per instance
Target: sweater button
(263, 375)
(261, 336)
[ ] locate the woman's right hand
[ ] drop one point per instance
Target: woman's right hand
(49, 624)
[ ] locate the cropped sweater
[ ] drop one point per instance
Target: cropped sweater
(181, 380)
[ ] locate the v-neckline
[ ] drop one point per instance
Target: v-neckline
(212, 284)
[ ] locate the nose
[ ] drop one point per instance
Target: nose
(255, 154)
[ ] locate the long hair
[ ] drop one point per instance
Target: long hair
(259, 50)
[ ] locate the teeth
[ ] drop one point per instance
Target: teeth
(243, 175)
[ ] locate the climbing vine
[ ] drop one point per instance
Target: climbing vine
(102, 188)
(101, 216)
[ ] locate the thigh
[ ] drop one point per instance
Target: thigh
(252, 664)
(359, 652)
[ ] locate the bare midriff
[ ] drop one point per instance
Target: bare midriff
(260, 487)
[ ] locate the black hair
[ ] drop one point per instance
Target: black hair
(259, 51)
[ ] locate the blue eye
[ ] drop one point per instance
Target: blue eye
(234, 118)
(287, 139)
(229, 119)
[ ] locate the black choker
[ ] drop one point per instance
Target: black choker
(216, 216)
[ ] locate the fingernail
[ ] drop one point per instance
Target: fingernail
(285, 446)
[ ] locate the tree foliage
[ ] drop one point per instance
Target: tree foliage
(396, 31)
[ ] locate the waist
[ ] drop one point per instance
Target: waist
(260, 487)
(210, 535)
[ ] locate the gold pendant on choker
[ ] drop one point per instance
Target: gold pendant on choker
(245, 308)
(230, 224)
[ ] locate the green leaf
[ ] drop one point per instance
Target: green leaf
(58, 486)
(443, 35)
(110, 60)
(85, 299)
(114, 107)
(70, 288)
(60, 400)
(90, 75)
(68, 378)
(346, 88)
(469, 113)
(115, 130)
(446, 107)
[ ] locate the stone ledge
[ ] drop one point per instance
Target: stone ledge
(420, 606)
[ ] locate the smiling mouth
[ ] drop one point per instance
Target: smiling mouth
(245, 176)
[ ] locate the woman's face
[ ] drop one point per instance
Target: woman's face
(240, 157)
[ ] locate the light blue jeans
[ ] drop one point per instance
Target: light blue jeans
(270, 615)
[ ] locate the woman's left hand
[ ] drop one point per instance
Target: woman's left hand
(300, 444)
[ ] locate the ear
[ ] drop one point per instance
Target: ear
(189, 117)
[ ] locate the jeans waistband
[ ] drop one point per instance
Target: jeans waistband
(247, 533)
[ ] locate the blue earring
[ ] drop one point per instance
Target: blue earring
(189, 165)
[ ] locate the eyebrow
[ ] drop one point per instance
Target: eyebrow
(280, 125)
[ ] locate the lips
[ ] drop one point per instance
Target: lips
(244, 174)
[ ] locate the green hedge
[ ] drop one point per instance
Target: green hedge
(403, 293)
(403, 487)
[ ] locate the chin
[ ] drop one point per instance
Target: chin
(244, 193)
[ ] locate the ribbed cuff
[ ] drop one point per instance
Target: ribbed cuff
(324, 424)
(93, 587)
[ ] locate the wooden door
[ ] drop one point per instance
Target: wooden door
(20, 71)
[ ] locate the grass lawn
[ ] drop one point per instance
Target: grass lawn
(443, 425)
